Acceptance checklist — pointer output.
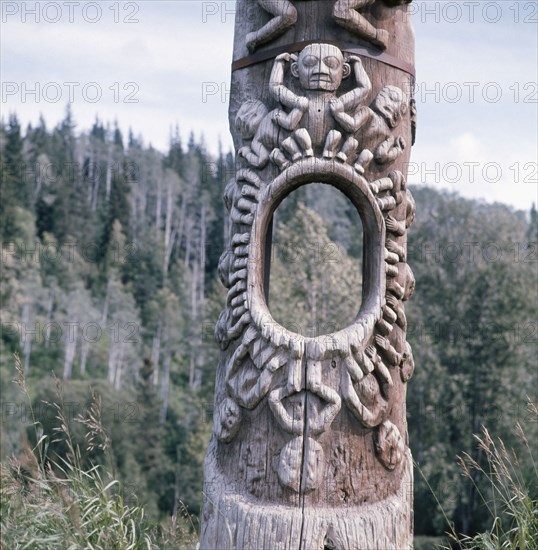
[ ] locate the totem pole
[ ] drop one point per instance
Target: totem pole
(309, 447)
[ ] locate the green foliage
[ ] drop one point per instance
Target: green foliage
(315, 285)
(512, 509)
(470, 325)
(59, 503)
(140, 234)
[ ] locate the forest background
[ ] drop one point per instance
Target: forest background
(109, 280)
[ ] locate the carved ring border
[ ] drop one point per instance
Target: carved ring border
(355, 187)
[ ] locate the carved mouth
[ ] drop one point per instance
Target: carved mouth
(320, 77)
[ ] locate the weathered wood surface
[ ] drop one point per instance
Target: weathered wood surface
(310, 438)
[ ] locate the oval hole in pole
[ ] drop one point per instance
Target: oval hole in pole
(315, 274)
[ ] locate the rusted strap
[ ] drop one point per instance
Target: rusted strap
(348, 48)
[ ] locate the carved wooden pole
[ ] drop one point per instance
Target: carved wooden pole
(309, 449)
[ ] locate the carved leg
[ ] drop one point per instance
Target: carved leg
(389, 150)
(349, 147)
(277, 156)
(363, 160)
(346, 15)
(302, 137)
(290, 146)
(285, 17)
(334, 137)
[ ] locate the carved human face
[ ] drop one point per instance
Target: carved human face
(320, 67)
(390, 104)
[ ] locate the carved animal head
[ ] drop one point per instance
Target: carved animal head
(249, 117)
(320, 67)
(410, 210)
(391, 104)
(409, 283)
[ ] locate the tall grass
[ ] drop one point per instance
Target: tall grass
(54, 502)
(513, 512)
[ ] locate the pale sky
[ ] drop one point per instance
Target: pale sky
(154, 64)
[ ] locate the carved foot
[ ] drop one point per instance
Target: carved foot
(296, 157)
(381, 39)
(363, 161)
(252, 42)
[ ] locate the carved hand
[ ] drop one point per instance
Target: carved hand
(301, 103)
(354, 59)
(244, 151)
(382, 342)
(284, 57)
(392, 224)
(336, 105)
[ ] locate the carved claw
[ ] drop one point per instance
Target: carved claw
(394, 226)
(389, 314)
(389, 352)
(249, 192)
(243, 219)
(386, 203)
(396, 288)
(238, 288)
(383, 327)
(392, 271)
(246, 206)
(390, 257)
(240, 238)
(395, 248)
(249, 176)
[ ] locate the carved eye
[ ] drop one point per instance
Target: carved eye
(332, 62)
(310, 61)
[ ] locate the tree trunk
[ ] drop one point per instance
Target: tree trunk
(309, 448)
(156, 353)
(27, 340)
(84, 351)
(70, 352)
(165, 389)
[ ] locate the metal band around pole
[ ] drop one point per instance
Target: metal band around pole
(271, 53)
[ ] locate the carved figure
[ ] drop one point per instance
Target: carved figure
(285, 16)
(379, 122)
(227, 420)
(320, 69)
(389, 445)
(255, 123)
(345, 12)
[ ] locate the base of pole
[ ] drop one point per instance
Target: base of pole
(234, 522)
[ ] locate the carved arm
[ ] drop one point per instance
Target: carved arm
(278, 91)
